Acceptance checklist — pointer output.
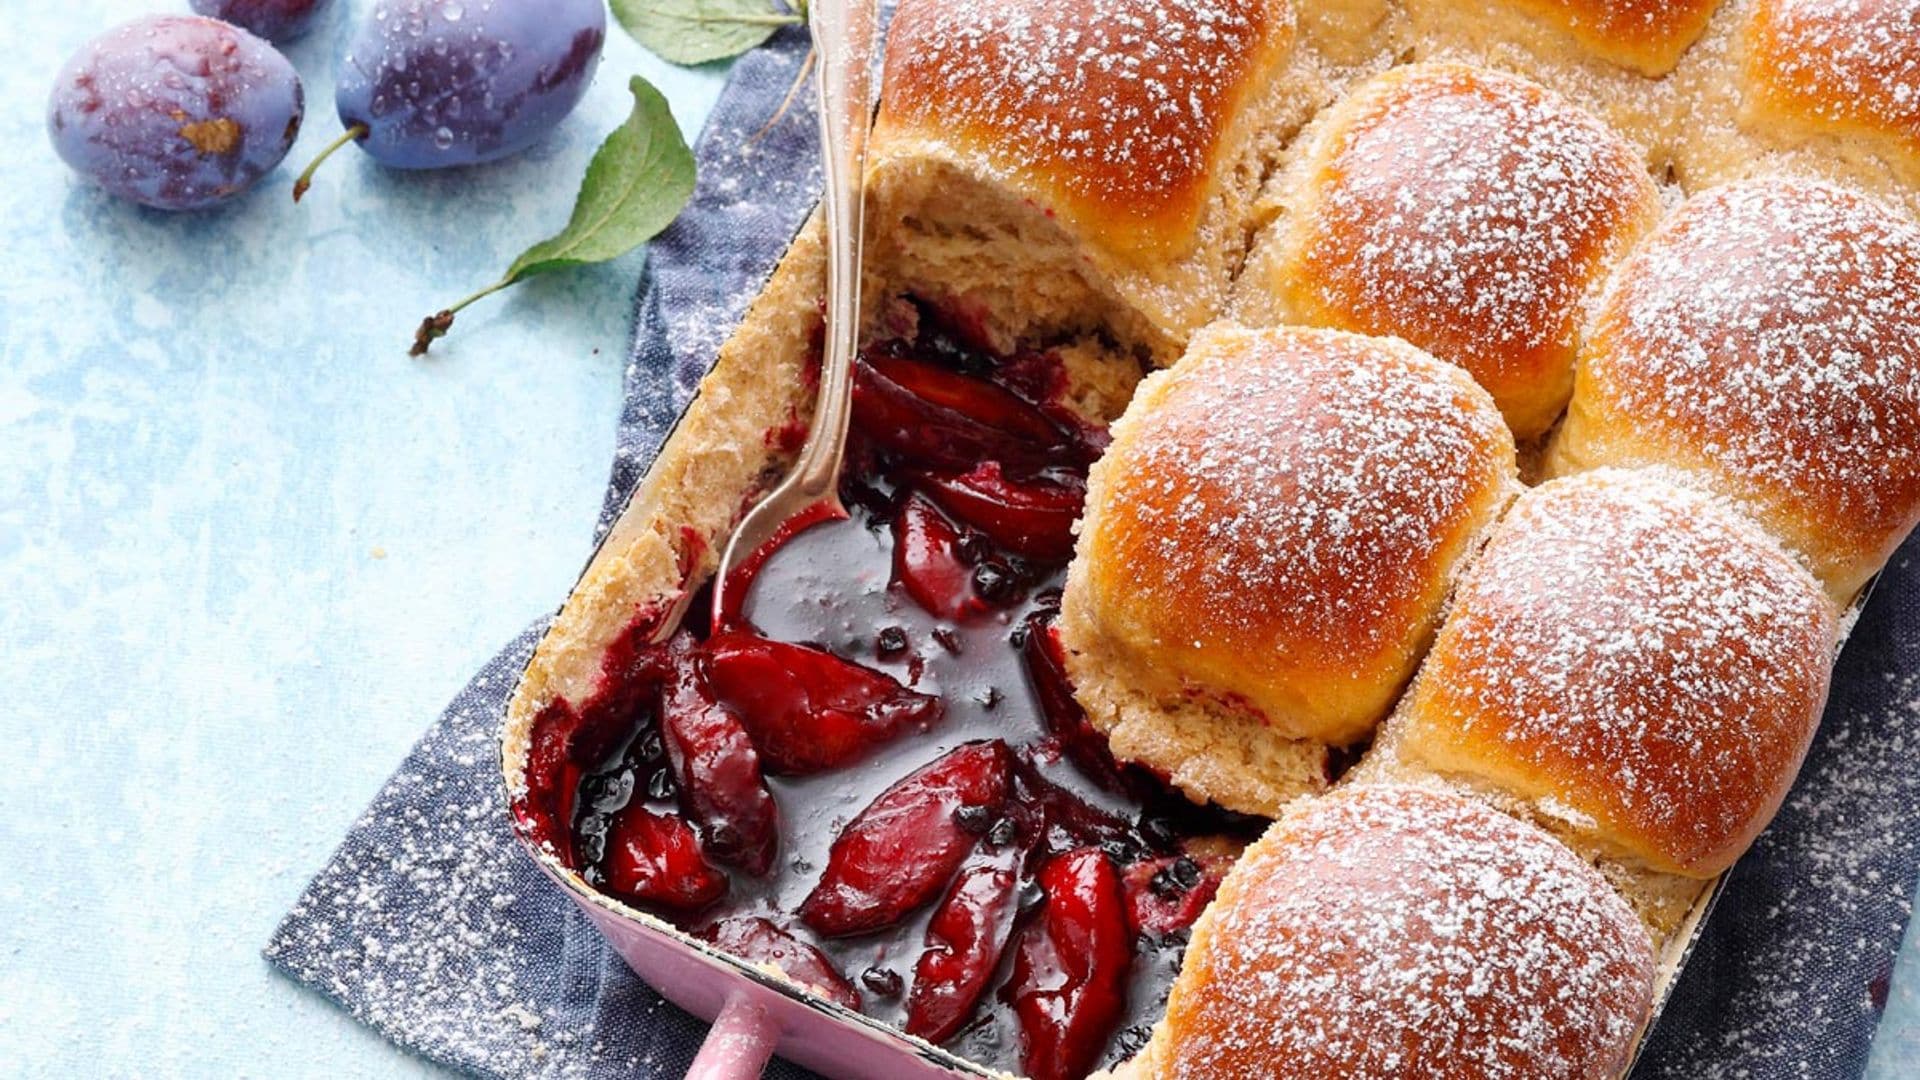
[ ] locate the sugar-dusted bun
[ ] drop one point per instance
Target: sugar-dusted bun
(1827, 90)
(1118, 111)
(1634, 659)
(1353, 32)
(1398, 932)
(1648, 36)
(1836, 67)
(1266, 547)
(1768, 339)
(1473, 213)
(1049, 166)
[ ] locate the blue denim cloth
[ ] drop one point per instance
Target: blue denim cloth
(432, 926)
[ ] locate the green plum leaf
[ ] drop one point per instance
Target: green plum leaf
(638, 182)
(699, 31)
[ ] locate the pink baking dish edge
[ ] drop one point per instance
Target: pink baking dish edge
(755, 1013)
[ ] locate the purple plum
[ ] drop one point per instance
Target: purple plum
(429, 84)
(275, 20)
(175, 112)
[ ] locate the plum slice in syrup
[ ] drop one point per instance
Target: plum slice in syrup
(897, 676)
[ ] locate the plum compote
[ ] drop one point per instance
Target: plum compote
(874, 774)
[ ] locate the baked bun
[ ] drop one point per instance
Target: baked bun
(1043, 167)
(1473, 213)
(1266, 548)
(1648, 36)
(1636, 661)
(1768, 339)
(1836, 67)
(1390, 931)
(1353, 32)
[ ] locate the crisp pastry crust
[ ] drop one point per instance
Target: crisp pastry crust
(1472, 213)
(1266, 548)
(1768, 340)
(1638, 657)
(1392, 931)
(1050, 168)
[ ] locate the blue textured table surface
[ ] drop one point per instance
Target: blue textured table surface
(248, 550)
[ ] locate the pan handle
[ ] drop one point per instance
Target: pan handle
(740, 1043)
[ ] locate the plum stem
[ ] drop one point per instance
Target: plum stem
(435, 326)
(305, 179)
(786, 103)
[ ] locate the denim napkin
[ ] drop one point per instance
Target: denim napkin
(430, 925)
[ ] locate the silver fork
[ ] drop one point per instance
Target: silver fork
(843, 35)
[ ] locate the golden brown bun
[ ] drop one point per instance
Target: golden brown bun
(1646, 35)
(1768, 339)
(1042, 166)
(1396, 932)
(1846, 67)
(1271, 535)
(1634, 658)
(1355, 33)
(1499, 35)
(1119, 112)
(1798, 89)
(1473, 213)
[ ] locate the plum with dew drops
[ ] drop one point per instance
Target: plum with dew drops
(428, 84)
(275, 20)
(176, 112)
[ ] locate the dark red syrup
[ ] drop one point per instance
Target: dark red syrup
(875, 774)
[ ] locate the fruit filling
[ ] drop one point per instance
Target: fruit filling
(874, 774)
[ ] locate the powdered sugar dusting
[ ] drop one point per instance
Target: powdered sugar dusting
(1610, 55)
(494, 974)
(1622, 19)
(1773, 329)
(1638, 652)
(1301, 489)
(1842, 62)
(359, 931)
(1470, 213)
(1397, 932)
(1793, 972)
(1125, 103)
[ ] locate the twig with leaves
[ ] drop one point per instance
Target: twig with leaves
(642, 176)
(639, 181)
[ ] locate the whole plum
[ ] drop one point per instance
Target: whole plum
(275, 20)
(428, 84)
(175, 111)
